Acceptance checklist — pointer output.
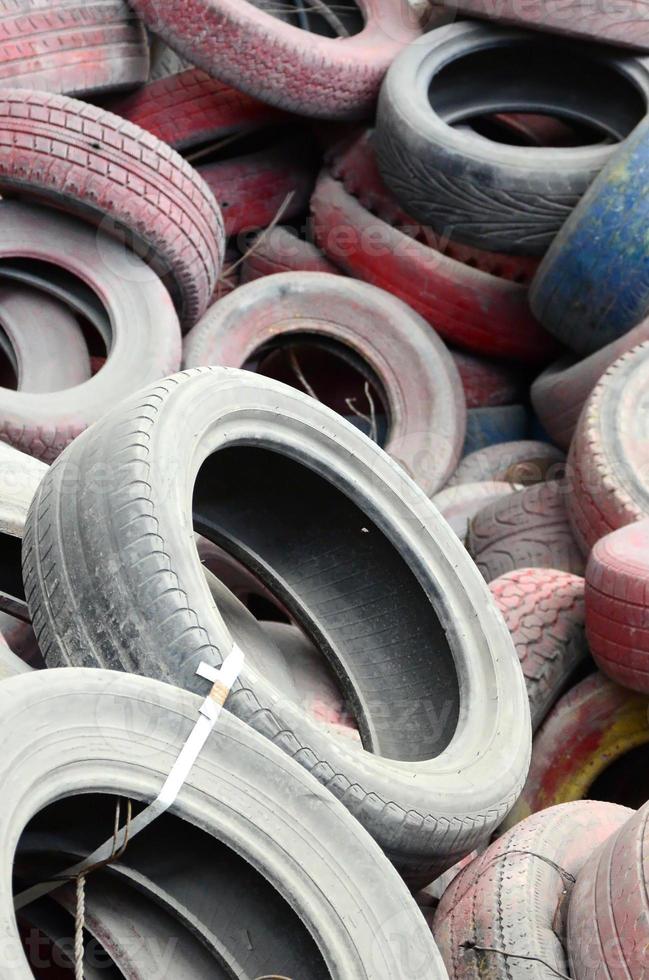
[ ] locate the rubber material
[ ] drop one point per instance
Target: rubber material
(282, 251)
(256, 52)
(459, 504)
(526, 461)
(617, 605)
(241, 790)
(514, 898)
(467, 306)
(626, 24)
(592, 726)
(415, 374)
(528, 529)
(491, 426)
(488, 383)
(189, 108)
(560, 392)
(46, 339)
(92, 163)
(609, 455)
(145, 341)
(488, 194)
(593, 285)
(608, 918)
(78, 47)
(544, 612)
(250, 190)
(268, 454)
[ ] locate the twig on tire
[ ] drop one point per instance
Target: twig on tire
(371, 418)
(295, 364)
(255, 245)
(518, 956)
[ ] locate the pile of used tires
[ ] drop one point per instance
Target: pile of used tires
(324, 492)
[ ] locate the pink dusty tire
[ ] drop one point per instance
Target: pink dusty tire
(459, 504)
(513, 899)
(608, 917)
(488, 383)
(525, 461)
(282, 251)
(608, 464)
(559, 393)
(250, 190)
(589, 731)
(189, 108)
(617, 605)
(260, 54)
(74, 47)
(453, 287)
(417, 376)
(89, 162)
(544, 612)
(528, 529)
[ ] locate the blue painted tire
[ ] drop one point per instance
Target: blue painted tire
(488, 426)
(593, 285)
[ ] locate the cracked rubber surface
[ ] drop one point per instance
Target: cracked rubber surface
(415, 374)
(608, 463)
(544, 612)
(434, 636)
(92, 163)
(617, 605)
(253, 50)
(76, 47)
(493, 195)
(529, 529)
(515, 896)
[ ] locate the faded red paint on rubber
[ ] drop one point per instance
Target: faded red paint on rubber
(608, 463)
(617, 605)
(92, 163)
(593, 725)
(513, 898)
(544, 612)
(190, 108)
(487, 383)
(466, 305)
(287, 67)
(608, 916)
(528, 529)
(77, 47)
(282, 251)
(524, 461)
(459, 504)
(625, 23)
(251, 189)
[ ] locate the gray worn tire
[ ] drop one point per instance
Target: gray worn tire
(425, 641)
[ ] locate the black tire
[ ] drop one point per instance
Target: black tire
(338, 532)
(241, 790)
(491, 195)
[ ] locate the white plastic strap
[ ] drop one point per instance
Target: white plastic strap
(222, 680)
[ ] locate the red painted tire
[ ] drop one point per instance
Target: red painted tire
(189, 108)
(504, 916)
(625, 24)
(412, 368)
(334, 78)
(528, 529)
(591, 729)
(617, 605)
(487, 383)
(525, 461)
(544, 612)
(250, 190)
(608, 464)
(91, 163)
(466, 305)
(459, 504)
(71, 46)
(282, 251)
(608, 916)
(559, 393)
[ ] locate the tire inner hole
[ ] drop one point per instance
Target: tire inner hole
(619, 782)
